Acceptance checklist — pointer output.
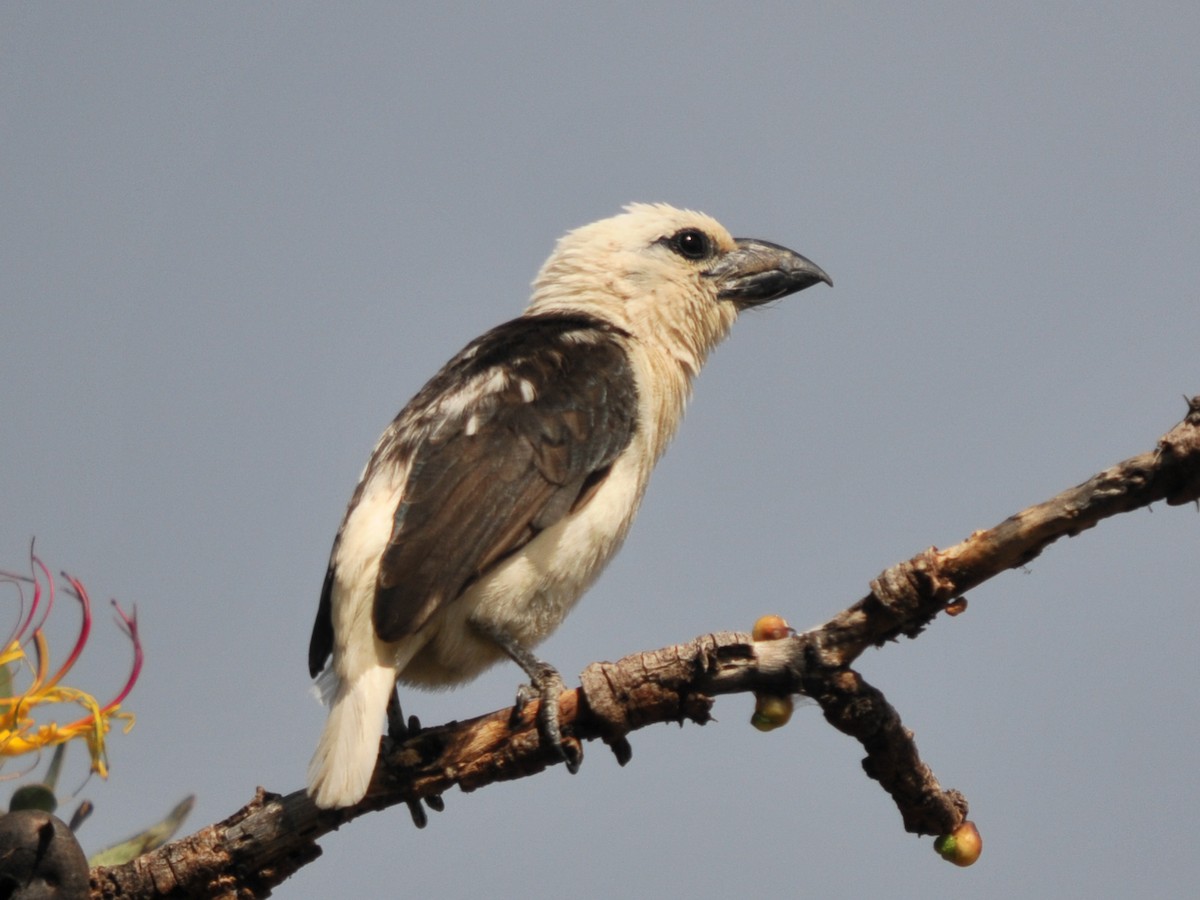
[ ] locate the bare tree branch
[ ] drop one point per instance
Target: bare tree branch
(262, 844)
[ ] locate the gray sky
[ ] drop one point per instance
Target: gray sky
(234, 240)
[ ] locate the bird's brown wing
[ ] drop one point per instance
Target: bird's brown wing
(560, 406)
(512, 435)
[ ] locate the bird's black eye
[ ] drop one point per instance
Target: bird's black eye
(691, 243)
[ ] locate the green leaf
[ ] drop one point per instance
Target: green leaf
(154, 836)
(82, 811)
(33, 796)
(55, 767)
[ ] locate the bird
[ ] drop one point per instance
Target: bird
(493, 500)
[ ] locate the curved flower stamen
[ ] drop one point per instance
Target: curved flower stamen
(20, 732)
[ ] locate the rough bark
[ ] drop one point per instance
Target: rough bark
(263, 843)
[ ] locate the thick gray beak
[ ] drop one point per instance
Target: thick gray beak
(758, 272)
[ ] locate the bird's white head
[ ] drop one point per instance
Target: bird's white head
(670, 276)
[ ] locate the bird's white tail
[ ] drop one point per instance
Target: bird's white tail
(341, 769)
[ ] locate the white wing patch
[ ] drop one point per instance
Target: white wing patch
(456, 404)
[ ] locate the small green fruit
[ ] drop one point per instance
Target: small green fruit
(962, 846)
(771, 712)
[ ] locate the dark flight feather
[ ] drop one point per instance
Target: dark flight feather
(503, 468)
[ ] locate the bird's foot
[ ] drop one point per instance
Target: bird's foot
(546, 686)
(400, 730)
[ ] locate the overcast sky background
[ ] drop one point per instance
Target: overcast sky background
(234, 240)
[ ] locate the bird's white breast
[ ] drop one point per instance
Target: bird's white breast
(530, 593)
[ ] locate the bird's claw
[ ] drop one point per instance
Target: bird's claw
(400, 730)
(546, 687)
(526, 694)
